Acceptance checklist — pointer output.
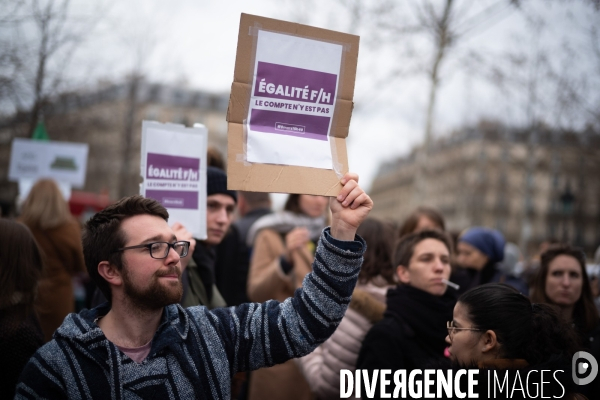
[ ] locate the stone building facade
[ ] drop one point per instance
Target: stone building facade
(109, 119)
(530, 184)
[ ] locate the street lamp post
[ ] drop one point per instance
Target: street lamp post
(568, 200)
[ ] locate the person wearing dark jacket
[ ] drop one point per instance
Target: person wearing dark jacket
(412, 332)
(199, 277)
(233, 253)
(479, 252)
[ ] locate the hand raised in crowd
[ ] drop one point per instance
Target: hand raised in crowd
(183, 234)
(349, 209)
(295, 239)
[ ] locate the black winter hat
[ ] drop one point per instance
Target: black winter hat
(216, 183)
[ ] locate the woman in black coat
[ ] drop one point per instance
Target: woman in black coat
(412, 333)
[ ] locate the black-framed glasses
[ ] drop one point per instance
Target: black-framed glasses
(452, 329)
(160, 250)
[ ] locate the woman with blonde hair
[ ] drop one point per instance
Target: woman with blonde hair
(58, 234)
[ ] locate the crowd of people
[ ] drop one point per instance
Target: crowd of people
(409, 296)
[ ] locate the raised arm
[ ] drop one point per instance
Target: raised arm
(258, 335)
(349, 209)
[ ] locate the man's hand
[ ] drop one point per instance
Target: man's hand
(349, 209)
(183, 234)
(295, 239)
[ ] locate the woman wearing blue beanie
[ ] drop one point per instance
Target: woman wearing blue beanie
(479, 250)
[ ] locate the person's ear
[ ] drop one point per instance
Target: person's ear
(488, 341)
(403, 274)
(110, 273)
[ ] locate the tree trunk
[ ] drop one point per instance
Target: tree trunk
(40, 76)
(442, 43)
(128, 135)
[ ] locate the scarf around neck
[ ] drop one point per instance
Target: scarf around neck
(425, 313)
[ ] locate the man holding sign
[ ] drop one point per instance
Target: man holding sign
(144, 345)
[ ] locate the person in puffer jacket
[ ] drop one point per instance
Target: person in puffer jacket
(142, 344)
(322, 367)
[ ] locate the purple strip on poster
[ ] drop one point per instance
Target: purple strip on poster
(175, 198)
(283, 82)
(175, 168)
(282, 123)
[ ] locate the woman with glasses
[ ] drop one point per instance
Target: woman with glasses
(495, 327)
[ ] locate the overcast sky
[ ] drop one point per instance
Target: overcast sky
(195, 42)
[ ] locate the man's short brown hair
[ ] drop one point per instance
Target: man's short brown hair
(405, 247)
(102, 234)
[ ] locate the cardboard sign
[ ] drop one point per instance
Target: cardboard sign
(64, 162)
(290, 107)
(173, 166)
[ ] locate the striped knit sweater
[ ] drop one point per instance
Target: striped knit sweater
(195, 352)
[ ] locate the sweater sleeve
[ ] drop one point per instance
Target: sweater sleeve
(261, 335)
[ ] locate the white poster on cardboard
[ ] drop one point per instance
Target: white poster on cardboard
(64, 162)
(173, 166)
(292, 100)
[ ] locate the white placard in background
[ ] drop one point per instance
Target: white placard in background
(173, 166)
(64, 162)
